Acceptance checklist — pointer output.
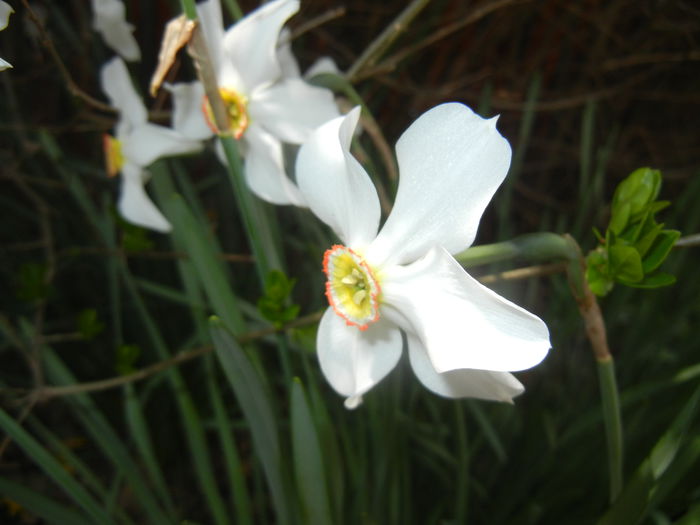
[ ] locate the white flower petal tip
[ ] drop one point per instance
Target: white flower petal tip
(4, 65)
(351, 403)
(480, 384)
(336, 188)
(353, 361)
(5, 11)
(451, 162)
(109, 19)
(136, 206)
(462, 323)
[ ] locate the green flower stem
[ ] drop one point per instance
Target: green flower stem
(533, 246)
(189, 8)
(595, 330)
(613, 423)
(375, 50)
(254, 218)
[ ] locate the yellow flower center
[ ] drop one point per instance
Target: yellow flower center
(114, 159)
(235, 104)
(352, 289)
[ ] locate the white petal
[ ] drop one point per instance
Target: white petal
(451, 161)
(188, 116)
(5, 12)
(292, 109)
(288, 63)
(481, 384)
(461, 323)
(110, 20)
(135, 205)
(4, 65)
(251, 44)
(116, 83)
(149, 142)
(322, 65)
(352, 360)
(264, 169)
(335, 186)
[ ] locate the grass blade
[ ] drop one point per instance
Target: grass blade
(308, 462)
(254, 398)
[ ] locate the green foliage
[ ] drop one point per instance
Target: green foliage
(274, 305)
(634, 245)
(89, 325)
(127, 355)
(135, 239)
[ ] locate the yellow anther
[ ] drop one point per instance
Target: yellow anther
(359, 296)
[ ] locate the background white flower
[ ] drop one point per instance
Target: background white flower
(136, 144)
(266, 107)
(109, 19)
(5, 12)
(462, 337)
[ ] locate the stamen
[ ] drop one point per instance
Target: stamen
(236, 105)
(352, 290)
(114, 159)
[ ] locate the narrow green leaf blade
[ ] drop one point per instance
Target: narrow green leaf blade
(52, 468)
(255, 401)
(309, 469)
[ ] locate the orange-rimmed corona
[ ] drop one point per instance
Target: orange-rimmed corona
(236, 105)
(352, 289)
(114, 158)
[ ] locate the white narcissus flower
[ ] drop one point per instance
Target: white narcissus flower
(5, 12)
(265, 107)
(109, 19)
(462, 337)
(137, 143)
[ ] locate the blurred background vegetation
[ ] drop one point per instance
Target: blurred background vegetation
(586, 91)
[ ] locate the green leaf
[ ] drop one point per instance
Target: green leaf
(127, 355)
(625, 263)
(620, 217)
(273, 305)
(660, 250)
(655, 280)
(40, 505)
(308, 461)
(256, 402)
(644, 243)
(597, 276)
(659, 472)
(88, 324)
(638, 189)
(52, 468)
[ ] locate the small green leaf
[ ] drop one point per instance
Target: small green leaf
(620, 217)
(655, 280)
(660, 250)
(647, 239)
(127, 355)
(134, 239)
(88, 324)
(640, 188)
(274, 304)
(625, 263)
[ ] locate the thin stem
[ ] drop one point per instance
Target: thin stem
(189, 8)
(48, 392)
(613, 423)
(263, 252)
(533, 246)
(56, 57)
(375, 50)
